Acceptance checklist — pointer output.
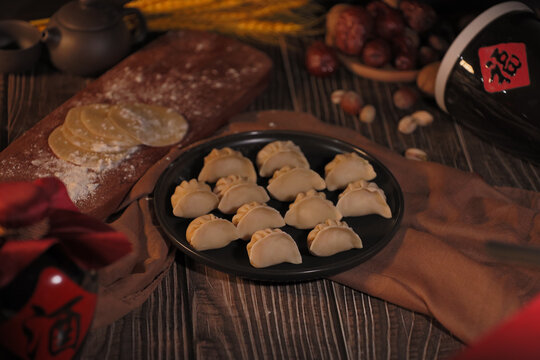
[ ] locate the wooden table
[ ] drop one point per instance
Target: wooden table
(199, 312)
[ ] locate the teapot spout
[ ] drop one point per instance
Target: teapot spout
(50, 36)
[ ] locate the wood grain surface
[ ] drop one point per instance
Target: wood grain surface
(198, 312)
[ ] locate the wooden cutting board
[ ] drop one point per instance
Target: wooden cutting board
(204, 76)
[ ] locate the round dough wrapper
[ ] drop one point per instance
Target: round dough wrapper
(76, 130)
(65, 150)
(90, 145)
(95, 118)
(152, 125)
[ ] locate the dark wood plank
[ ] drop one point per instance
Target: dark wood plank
(199, 312)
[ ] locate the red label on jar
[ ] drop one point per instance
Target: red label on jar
(54, 322)
(504, 66)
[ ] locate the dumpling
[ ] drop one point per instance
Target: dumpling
(193, 198)
(234, 191)
(278, 154)
(210, 232)
(223, 162)
(288, 182)
(256, 216)
(271, 247)
(332, 237)
(363, 198)
(310, 209)
(346, 168)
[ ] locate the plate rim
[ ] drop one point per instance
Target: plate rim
(271, 274)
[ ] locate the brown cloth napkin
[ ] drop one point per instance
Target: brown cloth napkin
(436, 263)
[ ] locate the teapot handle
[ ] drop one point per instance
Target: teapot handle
(140, 31)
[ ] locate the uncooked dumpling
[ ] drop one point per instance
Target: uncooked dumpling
(192, 199)
(256, 216)
(278, 154)
(210, 232)
(346, 168)
(363, 198)
(332, 237)
(310, 209)
(234, 191)
(224, 162)
(288, 182)
(271, 247)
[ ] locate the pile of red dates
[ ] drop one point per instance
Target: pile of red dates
(403, 37)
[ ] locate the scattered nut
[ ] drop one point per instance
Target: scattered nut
(405, 98)
(422, 117)
(407, 125)
(351, 103)
(336, 96)
(416, 154)
(426, 78)
(367, 115)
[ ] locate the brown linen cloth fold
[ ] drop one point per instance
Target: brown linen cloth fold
(436, 263)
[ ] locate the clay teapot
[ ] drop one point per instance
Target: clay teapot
(86, 37)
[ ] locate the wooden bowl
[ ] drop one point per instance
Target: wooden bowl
(386, 74)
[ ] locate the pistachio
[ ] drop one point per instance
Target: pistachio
(407, 124)
(367, 115)
(416, 154)
(422, 117)
(336, 96)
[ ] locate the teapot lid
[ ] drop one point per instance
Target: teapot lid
(88, 15)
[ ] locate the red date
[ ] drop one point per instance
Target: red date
(321, 59)
(376, 53)
(353, 26)
(419, 16)
(389, 24)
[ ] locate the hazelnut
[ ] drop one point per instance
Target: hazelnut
(405, 97)
(351, 103)
(416, 154)
(320, 59)
(336, 96)
(376, 53)
(407, 125)
(353, 26)
(426, 78)
(422, 117)
(367, 114)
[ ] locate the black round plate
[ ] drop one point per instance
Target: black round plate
(374, 230)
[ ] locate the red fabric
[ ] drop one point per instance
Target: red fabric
(90, 243)
(517, 338)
